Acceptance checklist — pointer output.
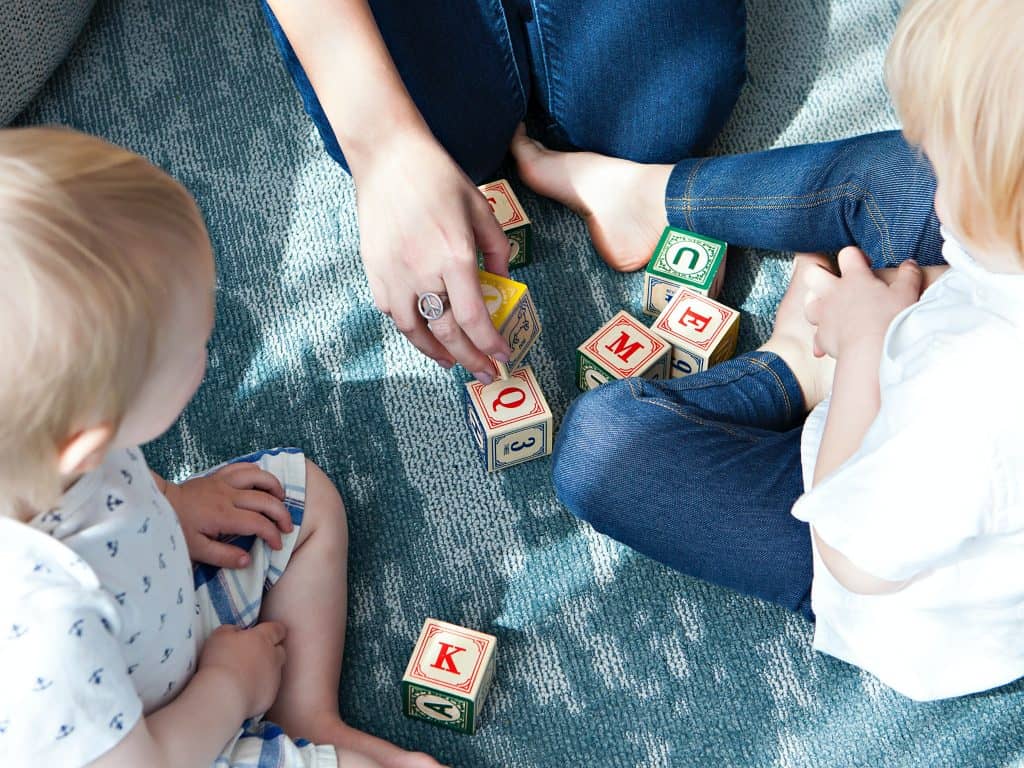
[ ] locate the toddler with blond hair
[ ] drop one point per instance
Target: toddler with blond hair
(893, 515)
(114, 650)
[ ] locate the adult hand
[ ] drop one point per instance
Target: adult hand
(253, 657)
(856, 305)
(238, 499)
(421, 222)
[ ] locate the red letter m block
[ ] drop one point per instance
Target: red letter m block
(444, 658)
(621, 348)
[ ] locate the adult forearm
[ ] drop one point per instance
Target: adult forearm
(344, 56)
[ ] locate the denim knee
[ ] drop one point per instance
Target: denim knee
(593, 444)
(891, 215)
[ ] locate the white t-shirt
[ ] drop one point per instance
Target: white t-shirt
(97, 617)
(935, 494)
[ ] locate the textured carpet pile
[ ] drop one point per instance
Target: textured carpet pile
(605, 658)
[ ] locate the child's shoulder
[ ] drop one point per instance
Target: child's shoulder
(34, 564)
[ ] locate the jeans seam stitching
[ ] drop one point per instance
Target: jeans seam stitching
(828, 193)
(685, 205)
(778, 380)
(510, 58)
(661, 403)
(690, 181)
(538, 17)
(677, 410)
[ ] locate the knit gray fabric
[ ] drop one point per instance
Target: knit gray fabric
(35, 36)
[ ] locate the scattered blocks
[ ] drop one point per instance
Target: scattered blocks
(510, 419)
(513, 220)
(512, 312)
(621, 348)
(682, 259)
(449, 675)
(702, 332)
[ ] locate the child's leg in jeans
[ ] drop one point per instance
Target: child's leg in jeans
(311, 599)
(874, 191)
(700, 473)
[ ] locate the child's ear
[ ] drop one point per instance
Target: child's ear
(84, 450)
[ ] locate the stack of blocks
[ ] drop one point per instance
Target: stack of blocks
(692, 331)
(513, 220)
(510, 419)
(623, 347)
(682, 260)
(449, 675)
(702, 332)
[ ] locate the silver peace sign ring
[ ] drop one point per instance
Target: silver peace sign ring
(432, 305)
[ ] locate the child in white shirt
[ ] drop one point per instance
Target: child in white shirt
(914, 466)
(113, 652)
(910, 473)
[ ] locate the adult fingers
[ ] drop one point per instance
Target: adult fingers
(447, 331)
(409, 322)
(471, 313)
(490, 238)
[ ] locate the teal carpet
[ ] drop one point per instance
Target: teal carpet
(605, 658)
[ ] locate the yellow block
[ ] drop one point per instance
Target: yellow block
(501, 296)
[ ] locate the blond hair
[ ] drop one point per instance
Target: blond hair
(86, 233)
(956, 74)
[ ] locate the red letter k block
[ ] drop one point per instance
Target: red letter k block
(444, 658)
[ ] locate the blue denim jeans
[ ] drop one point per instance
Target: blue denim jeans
(874, 191)
(648, 80)
(699, 473)
(651, 81)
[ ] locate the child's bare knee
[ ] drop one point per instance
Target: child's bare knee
(324, 508)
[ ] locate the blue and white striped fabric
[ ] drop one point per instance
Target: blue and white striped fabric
(234, 596)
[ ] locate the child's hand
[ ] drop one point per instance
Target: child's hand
(857, 306)
(239, 499)
(253, 657)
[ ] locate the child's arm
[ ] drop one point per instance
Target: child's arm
(238, 677)
(240, 499)
(852, 314)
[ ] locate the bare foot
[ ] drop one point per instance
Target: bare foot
(622, 202)
(792, 338)
(361, 750)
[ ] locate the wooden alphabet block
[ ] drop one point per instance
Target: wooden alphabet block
(449, 675)
(702, 332)
(513, 220)
(510, 419)
(621, 348)
(682, 259)
(512, 312)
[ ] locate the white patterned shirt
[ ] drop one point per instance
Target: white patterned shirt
(97, 617)
(934, 494)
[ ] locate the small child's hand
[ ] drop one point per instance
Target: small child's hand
(857, 306)
(239, 499)
(253, 657)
